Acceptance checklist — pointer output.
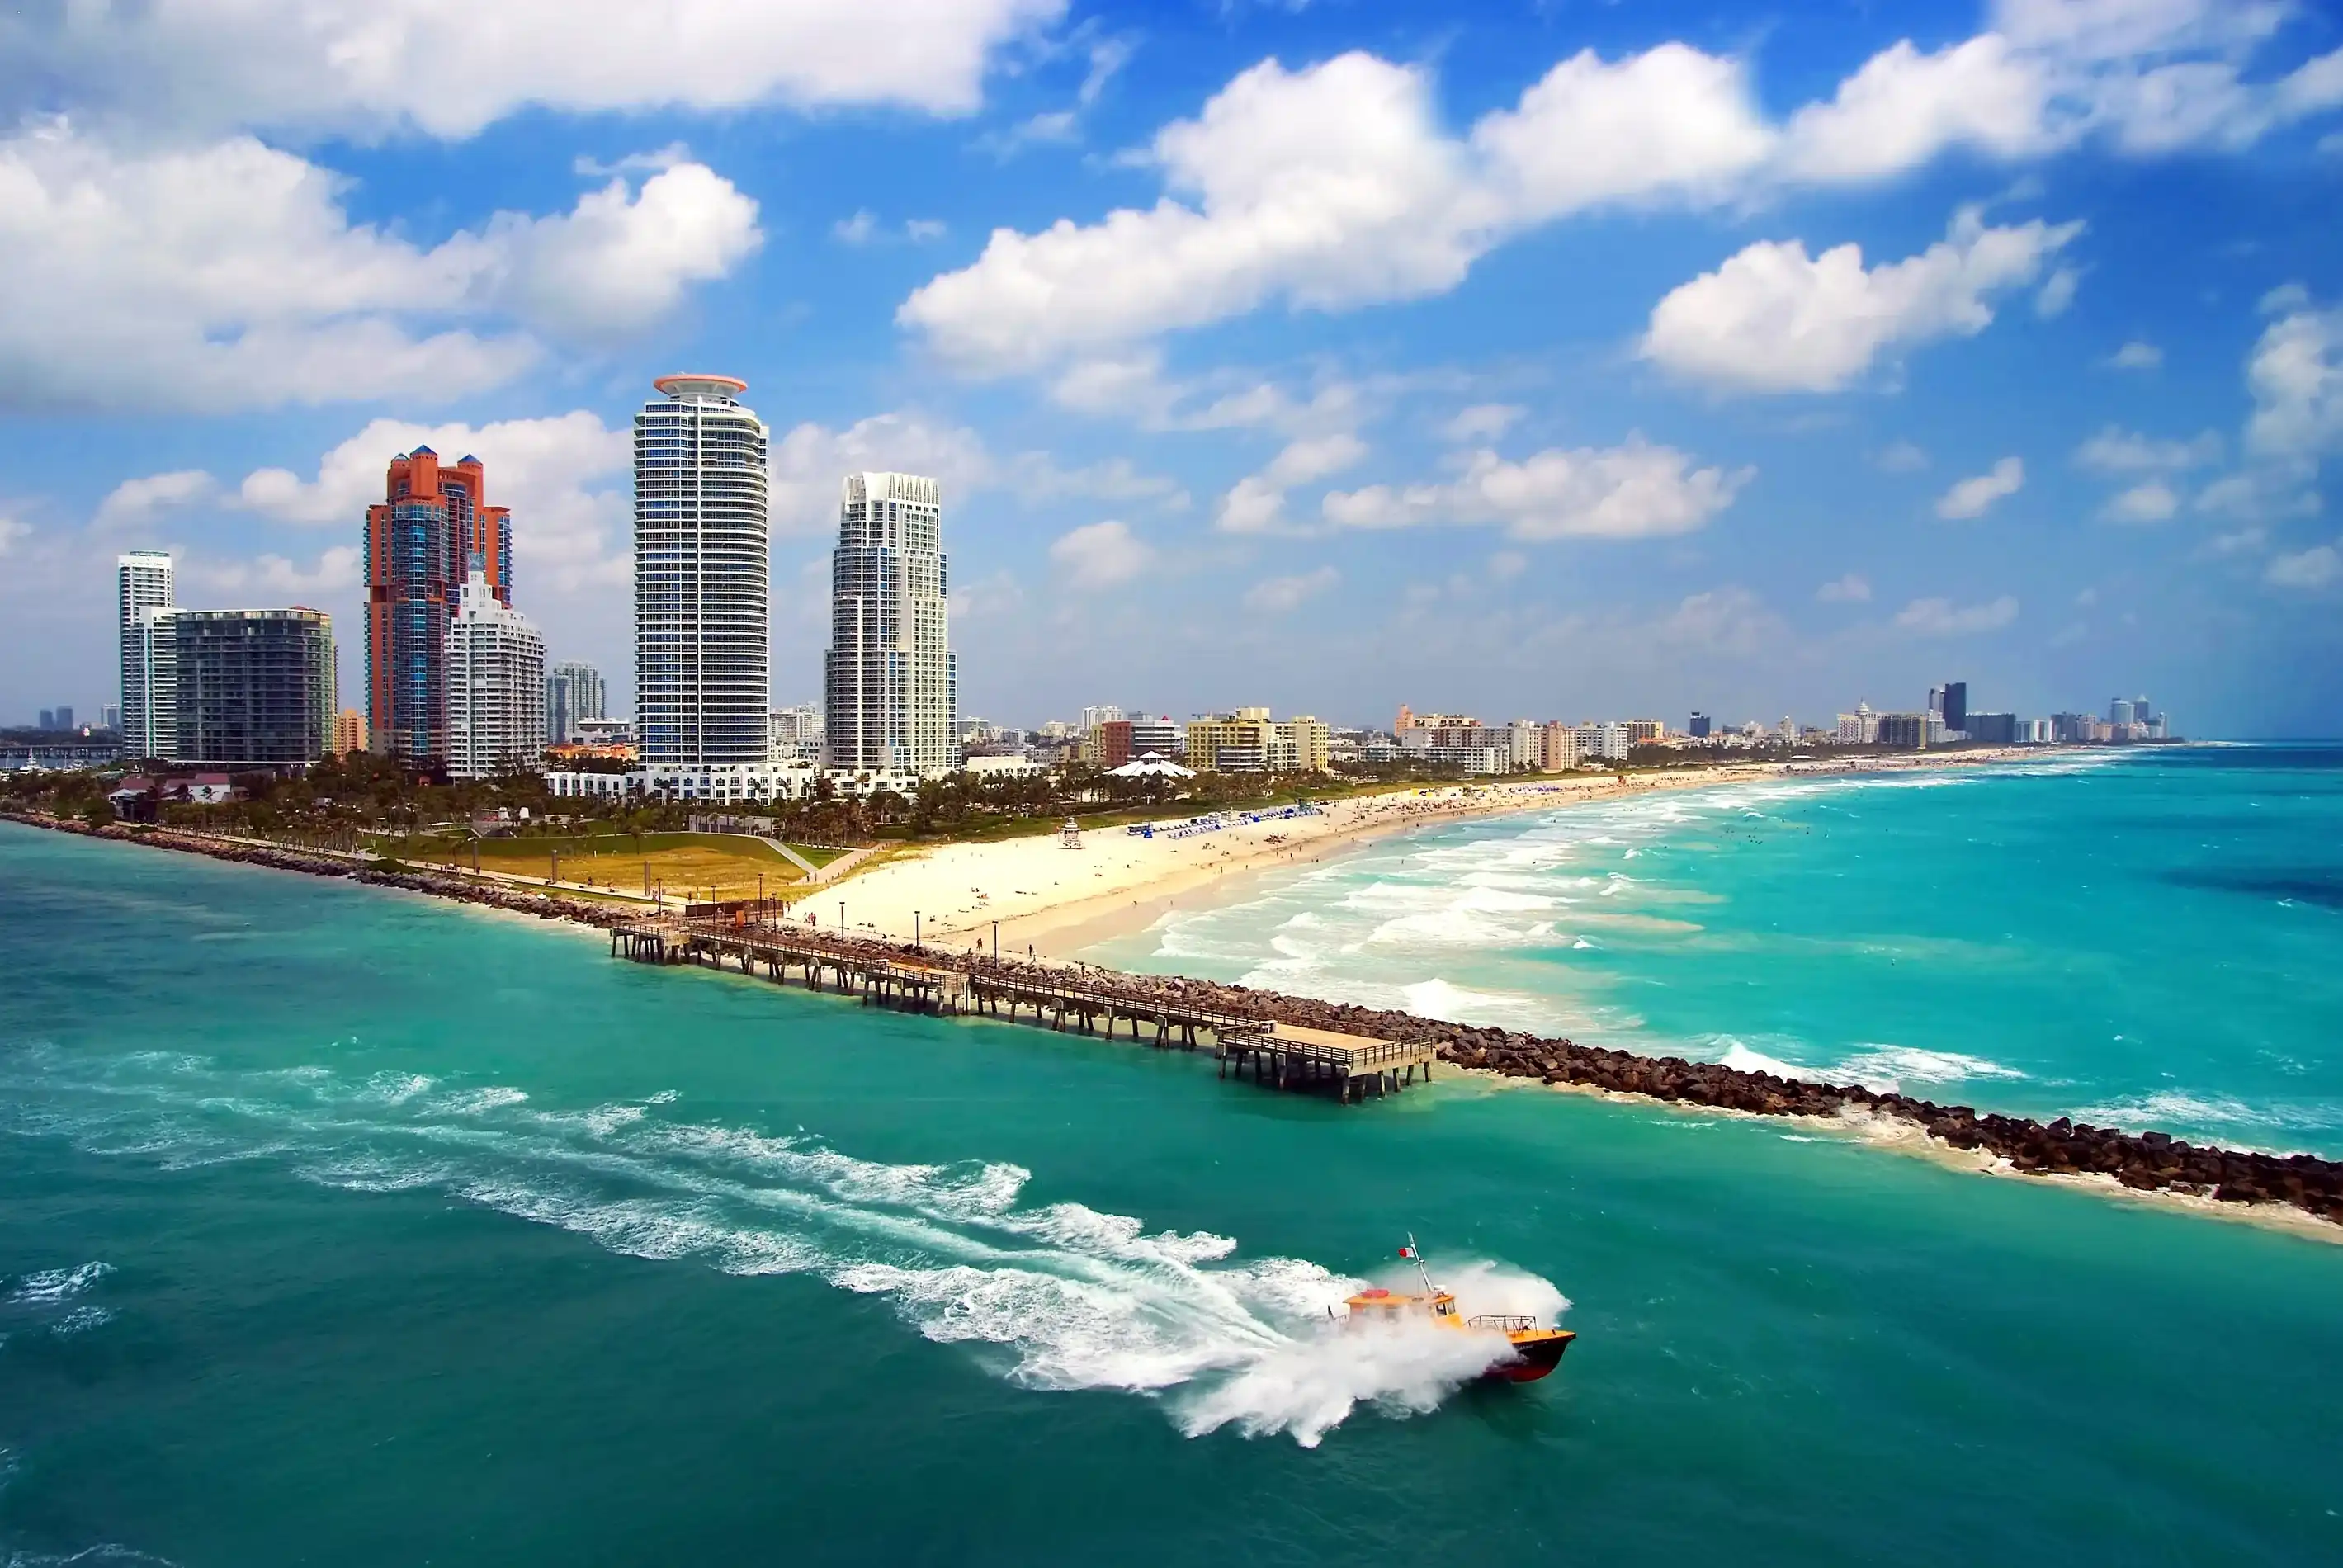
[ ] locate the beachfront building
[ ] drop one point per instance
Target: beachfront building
(574, 693)
(253, 688)
(1243, 740)
(702, 569)
(350, 732)
(1557, 747)
(1526, 747)
(1860, 727)
(1908, 731)
(432, 528)
(889, 681)
(495, 686)
(144, 587)
(1602, 741)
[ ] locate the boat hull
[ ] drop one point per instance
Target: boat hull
(1535, 1355)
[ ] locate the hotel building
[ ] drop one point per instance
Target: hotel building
(144, 587)
(495, 686)
(889, 681)
(432, 528)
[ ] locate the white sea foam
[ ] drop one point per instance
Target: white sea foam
(1888, 1067)
(50, 1287)
(1741, 1058)
(480, 1101)
(1055, 1296)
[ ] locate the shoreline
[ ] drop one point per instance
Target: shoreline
(960, 891)
(2243, 1184)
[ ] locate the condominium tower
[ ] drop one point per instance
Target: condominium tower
(432, 528)
(142, 588)
(495, 685)
(703, 635)
(573, 694)
(890, 682)
(255, 686)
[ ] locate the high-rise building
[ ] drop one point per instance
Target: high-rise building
(2121, 711)
(255, 687)
(1956, 708)
(495, 686)
(702, 590)
(1104, 713)
(1906, 731)
(573, 692)
(143, 586)
(350, 732)
(432, 528)
(1699, 725)
(64, 717)
(48, 719)
(109, 715)
(890, 684)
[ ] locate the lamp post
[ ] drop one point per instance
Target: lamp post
(996, 941)
(915, 928)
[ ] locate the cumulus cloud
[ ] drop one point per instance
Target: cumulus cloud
(135, 502)
(1774, 319)
(2295, 377)
(1336, 185)
(1942, 617)
(230, 276)
(2153, 501)
(1101, 555)
(2313, 568)
(1634, 491)
(1971, 497)
(1275, 595)
(428, 65)
(2137, 355)
(1481, 422)
(1256, 503)
(2115, 451)
(1852, 588)
(1902, 458)
(335, 571)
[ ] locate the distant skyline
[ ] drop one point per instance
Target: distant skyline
(1517, 359)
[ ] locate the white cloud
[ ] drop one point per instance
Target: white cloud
(1101, 555)
(335, 572)
(1942, 617)
(2115, 451)
(2137, 355)
(1727, 621)
(864, 228)
(11, 530)
(1902, 107)
(2152, 502)
(1852, 588)
(2057, 294)
(986, 598)
(1256, 503)
(448, 70)
(1775, 319)
(856, 230)
(2295, 377)
(567, 531)
(1481, 422)
(1335, 185)
(810, 462)
(135, 502)
(1275, 595)
(1971, 497)
(230, 276)
(1039, 478)
(622, 259)
(2316, 567)
(1902, 458)
(1634, 491)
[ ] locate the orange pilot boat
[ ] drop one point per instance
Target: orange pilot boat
(1537, 1349)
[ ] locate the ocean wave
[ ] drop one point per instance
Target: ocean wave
(1887, 1067)
(1055, 1295)
(50, 1287)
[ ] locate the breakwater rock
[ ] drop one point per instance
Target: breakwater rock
(438, 885)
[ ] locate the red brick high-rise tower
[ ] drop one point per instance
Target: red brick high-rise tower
(433, 525)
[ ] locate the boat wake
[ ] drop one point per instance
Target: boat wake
(1056, 1296)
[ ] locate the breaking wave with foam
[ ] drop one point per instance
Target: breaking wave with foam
(1059, 1295)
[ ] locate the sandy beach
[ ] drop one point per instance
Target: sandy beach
(1055, 901)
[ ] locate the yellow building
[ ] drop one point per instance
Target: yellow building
(1644, 732)
(1247, 740)
(350, 732)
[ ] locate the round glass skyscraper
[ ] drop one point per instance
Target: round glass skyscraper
(703, 576)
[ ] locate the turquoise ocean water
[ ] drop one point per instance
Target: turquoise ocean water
(2143, 940)
(338, 1226)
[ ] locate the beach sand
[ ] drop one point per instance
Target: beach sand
(1055, 901)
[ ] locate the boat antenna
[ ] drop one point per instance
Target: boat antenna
(1414, 1255)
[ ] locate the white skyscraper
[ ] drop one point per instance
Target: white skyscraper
(495, 685)
(890, 682)
(702, 638)
(143, 588)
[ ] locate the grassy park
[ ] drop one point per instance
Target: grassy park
(696, 865)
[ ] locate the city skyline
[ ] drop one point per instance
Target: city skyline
(2035, 418)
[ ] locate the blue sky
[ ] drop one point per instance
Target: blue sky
(1551, 361)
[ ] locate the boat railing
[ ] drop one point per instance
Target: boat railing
(1504, 1325)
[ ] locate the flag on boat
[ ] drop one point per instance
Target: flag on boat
(1407, 1252)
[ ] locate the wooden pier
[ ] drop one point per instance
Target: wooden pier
(752, 936)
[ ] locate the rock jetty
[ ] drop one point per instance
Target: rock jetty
(2144, 1161)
